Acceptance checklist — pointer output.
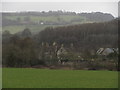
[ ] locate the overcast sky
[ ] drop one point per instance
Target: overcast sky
(105, 7)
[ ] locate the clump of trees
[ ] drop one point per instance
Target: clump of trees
(20, 52)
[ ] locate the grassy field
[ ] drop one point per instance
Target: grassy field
(44, 78)
(0, 76)
(33, 28)
(36, 28)
(66, 18)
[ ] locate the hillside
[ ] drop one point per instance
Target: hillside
(37, 21)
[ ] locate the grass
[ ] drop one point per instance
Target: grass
(0, 76)
(14, 29)
(19, 28)
(34, 28)
(44, 78)
(66, 18)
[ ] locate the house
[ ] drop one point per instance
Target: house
(61, 52)
(106, 51)
(61, 55)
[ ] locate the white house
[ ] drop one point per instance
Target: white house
(106, 51)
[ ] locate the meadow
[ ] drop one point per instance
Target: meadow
(0, 76)
(45, 78)
(37, 28)
(33, 28)
(66, 18)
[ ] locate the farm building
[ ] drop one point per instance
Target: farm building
(106, 51)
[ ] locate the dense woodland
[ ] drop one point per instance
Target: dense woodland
(87, 36)
(27, 50)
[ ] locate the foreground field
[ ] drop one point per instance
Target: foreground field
(44, 78)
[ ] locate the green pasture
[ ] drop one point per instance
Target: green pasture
(56, 18)
(45, 78)
(34, 28)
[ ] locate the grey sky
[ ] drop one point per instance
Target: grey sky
(106, 7)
